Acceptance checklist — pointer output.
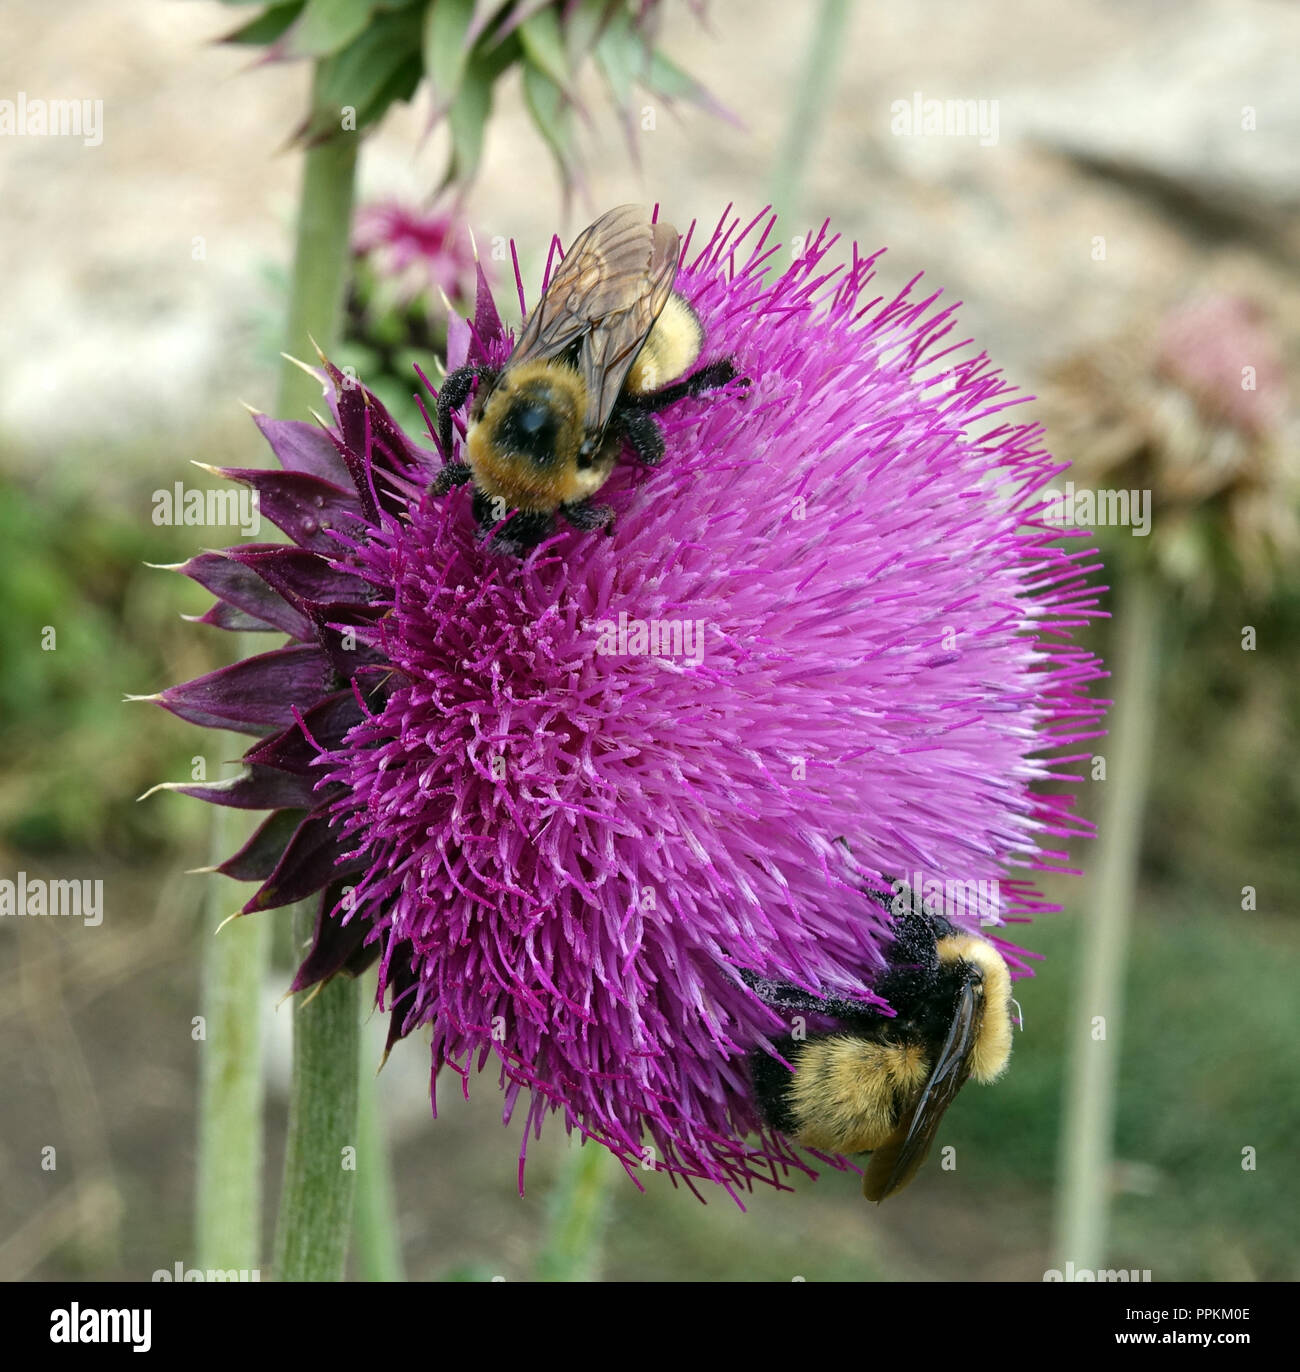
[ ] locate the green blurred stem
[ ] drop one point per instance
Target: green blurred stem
(228, 1215)
(320, 267)
(229, 1185)
(315, 1217)
(1089, 1124)
(579, 1207)
(322, 1149)
(813, 96)
(378, 1237)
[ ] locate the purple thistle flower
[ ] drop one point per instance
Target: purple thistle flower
(566, 799)
(415, 253)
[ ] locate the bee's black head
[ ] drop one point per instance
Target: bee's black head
(529, 427)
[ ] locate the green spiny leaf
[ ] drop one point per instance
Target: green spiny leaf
(367, 72)
(584, 24)
(401, 85)
(327, 26)
(551, 113)
(668, 79)
(544, 44)
(484, 12)
(268, 26)
(467, 119)
(622, 58)
(446, 47)
(513, 14)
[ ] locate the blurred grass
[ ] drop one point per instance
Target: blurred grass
(1208, 1067)
(74, 568)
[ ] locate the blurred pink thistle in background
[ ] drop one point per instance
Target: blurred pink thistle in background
(416, 253)
(1223, 352)
(1194, 412)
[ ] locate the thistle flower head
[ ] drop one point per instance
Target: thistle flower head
(1221, 350)
(568, 799)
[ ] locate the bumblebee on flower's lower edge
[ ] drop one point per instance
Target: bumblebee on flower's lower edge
(606, 347)
(882, 1084)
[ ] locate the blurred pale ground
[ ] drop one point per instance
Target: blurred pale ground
(122, 357)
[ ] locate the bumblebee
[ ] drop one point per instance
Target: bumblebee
(605, 349)
(882, 1084)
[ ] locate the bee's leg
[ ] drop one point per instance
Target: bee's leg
(510, 531)
(453, 474)
(582, 514)
(643, 435)
(780, 995)
(455, 391)
(706, 379)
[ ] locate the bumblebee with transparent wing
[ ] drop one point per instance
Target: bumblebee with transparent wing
(881, 1084)
(606, 348)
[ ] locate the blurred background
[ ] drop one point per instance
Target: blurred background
(145, 284)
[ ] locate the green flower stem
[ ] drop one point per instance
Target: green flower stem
(1089, 1124)
(378, 1235)
(229, 1183)
(579, 1207)
(321, 1150)
(228, 1212)
(320, 268)
(814, 94)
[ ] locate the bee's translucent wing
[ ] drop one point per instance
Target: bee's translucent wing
(898, 1159)
(604, 297)
(608, 352)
